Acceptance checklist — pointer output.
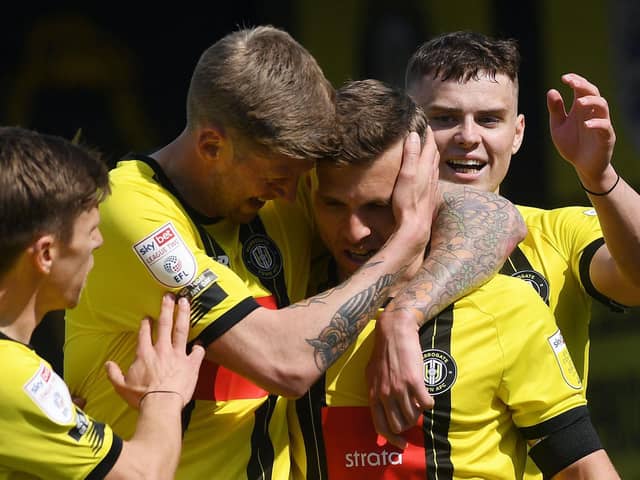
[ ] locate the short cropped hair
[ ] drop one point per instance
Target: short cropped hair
(371, 117)
(268, 88)
(460, 56)
(45, 183)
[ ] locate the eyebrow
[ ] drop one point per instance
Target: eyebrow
(488, 111)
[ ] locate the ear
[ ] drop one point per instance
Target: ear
(210, 141)
(519, 136)
(43, 251)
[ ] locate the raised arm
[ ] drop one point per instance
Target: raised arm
(160, 382)
(285, 351)
(585, 138)
(472, 236)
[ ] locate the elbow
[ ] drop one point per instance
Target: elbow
(518, 228)
(292, 382)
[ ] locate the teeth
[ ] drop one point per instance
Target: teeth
(466, 163)
(466, 166)
(361, 253)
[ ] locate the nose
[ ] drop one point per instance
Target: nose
(356, 229)
(468, 134)
(98, 240)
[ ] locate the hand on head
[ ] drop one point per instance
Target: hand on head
(415, 195)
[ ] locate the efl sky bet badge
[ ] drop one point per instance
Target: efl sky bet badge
(537, 281)
(440, 371)
(261, 256)
(166, 256)
(565, 363)
(49, 392)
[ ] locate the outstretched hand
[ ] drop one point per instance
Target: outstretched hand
(584, 136)
(165, 365)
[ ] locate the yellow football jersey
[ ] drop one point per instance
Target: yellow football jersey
(154, 243)
(498, 369)
(43, 434)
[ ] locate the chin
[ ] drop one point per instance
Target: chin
(242, 217)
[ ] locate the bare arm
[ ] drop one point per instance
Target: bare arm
(595, 466)
(473, 235)
(286, 350)
(585, 138)
(160, 382)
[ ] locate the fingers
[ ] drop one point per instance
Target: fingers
(410, 156)
(196, 356)
(411, 148)
(144, 337)
(580, 85)
(555, 106)
(181, 325)
(400, 416)
(165, 319)
(423, 400)
(115, 375)
(593, 107)
(383, 429)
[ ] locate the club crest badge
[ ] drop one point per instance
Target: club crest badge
(536, 280)
(440, 371)
(262, 257)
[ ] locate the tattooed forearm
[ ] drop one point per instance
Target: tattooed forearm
(348, 321)
(473, 235)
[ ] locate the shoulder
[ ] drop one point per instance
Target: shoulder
(539, 216)
(504, 289)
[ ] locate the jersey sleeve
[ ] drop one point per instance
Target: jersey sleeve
(576, 233)
(44, 434)
(540, 381)
(151, 246)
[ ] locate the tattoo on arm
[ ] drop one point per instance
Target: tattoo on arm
(348, 321)
(473, 235)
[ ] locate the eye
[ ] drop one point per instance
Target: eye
(489, 120)
(442, 120)
(330, 202)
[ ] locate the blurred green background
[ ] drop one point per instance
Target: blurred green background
(121, 75)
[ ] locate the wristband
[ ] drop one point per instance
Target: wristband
(159, 391)
(603, 193)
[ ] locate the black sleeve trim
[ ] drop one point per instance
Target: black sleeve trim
(572, 437)
(216, 329)
(585, 263)
(106, 464)
(554, 424)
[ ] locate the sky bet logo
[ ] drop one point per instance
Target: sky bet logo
(372, 459)
(160, 239)
(164, 236)
(167, 257)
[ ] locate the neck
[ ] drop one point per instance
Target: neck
(18, 317)
(180, 163)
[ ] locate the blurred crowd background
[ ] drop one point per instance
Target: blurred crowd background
(119, 72)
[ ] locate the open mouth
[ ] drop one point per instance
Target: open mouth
(466, 166)
(359, 256)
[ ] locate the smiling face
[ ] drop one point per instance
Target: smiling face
(476, 126)
(352, 208)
